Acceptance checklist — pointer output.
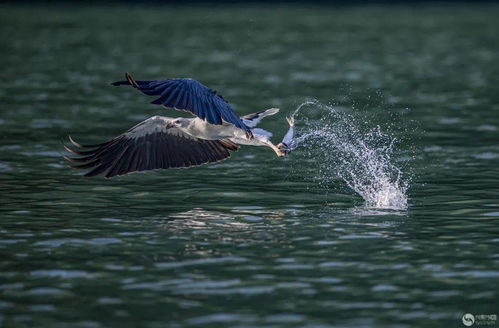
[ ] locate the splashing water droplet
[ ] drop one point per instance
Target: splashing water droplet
(345, 147)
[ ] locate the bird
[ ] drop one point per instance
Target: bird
(162, 142)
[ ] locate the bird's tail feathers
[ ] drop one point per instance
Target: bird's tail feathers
(253, 119)
(262, 132)
(270, 111)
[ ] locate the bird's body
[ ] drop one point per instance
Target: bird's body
(199, 128)
(162, 142)
(204, 130)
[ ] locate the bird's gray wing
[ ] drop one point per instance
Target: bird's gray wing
(152, 144)
(189, 95)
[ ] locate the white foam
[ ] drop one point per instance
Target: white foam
(361, 155)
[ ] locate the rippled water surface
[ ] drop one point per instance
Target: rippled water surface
(386, 216)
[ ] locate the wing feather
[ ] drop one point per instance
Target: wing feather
(189, 95)
(152, 144)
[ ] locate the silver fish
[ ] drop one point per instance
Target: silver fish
(288, 142)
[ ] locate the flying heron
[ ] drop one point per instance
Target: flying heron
(162, 142)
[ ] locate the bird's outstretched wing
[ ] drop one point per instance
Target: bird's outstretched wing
(152, 144)
(189, 95)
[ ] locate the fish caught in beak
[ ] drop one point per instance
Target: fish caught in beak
(284, 148)
(288, 142)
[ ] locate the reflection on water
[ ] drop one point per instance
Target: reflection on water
(254, 241)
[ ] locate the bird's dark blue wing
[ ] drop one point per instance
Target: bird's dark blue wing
(189, 95)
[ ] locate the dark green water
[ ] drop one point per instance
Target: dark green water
(254, 241)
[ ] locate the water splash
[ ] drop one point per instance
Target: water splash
(342, 146)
